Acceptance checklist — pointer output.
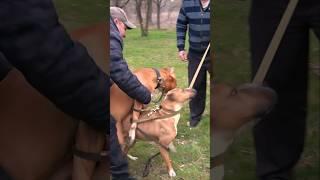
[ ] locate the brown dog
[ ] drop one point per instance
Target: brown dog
(160, 126)
(121, 104)
(232, 110)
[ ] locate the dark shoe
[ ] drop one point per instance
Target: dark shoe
(193, 123)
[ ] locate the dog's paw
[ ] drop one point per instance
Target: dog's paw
(132, 157)
(172, 173)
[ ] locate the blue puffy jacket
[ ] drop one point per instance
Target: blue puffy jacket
(119, 71)
(33, 41)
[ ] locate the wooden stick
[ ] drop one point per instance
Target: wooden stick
(199, 66)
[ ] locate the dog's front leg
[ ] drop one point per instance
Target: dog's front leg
(165, 156)
(135, 116)
(121, 136)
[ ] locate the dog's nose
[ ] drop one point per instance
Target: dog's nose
(193, 91)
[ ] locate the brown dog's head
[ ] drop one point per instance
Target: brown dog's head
(168, 79)
(175, 98)
(234, 107)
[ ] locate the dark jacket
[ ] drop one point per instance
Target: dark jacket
(34, 42)
(196, 20)
(119, 71)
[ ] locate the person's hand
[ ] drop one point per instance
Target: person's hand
(183, 56)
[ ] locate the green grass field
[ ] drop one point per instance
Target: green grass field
(191, 161)
(78, 13)
(230, 42)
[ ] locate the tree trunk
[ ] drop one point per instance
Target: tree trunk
(158, 14)
(149, 11)
(139, 15)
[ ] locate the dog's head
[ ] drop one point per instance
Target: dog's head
(176, 98)
(234, 107)
(168, 79)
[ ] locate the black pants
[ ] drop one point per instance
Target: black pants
(119, 164)
(197, 104)
(5, 67)
(279, 139)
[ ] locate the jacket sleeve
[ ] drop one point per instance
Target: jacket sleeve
(181, 28)
(121, 75)
(33, 41)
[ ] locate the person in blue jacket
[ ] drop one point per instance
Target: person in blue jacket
(127, 82)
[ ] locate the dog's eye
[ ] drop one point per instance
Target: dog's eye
(234, 91)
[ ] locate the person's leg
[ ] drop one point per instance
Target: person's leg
(197, 104)
(279, 138)
(119, 164)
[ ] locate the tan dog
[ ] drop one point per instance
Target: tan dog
(234, 109)
(121, 104)
(160, 126)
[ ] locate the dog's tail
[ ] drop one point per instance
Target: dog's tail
(172, 148)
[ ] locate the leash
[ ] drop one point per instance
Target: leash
(199, 67)
(170, 114)
(97, 157)
(275, 42)
(148, 165)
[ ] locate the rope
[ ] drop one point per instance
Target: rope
(274, 44)
(148, 165)
(199, 67)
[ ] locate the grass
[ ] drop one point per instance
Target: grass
(192, 158)
(78, 13)
(230, 37)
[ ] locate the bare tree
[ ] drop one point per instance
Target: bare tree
(148, 15)
(120, 3)
(160, 4)
(144, 26)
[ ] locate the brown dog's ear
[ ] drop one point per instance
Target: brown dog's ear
(171, 70)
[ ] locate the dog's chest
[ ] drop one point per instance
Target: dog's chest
(176, 121)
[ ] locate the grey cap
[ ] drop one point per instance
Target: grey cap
(119, 13)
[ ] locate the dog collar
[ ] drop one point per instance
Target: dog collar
(159, 78)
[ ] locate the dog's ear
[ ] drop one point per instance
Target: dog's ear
(171, 70)
(170, 97)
